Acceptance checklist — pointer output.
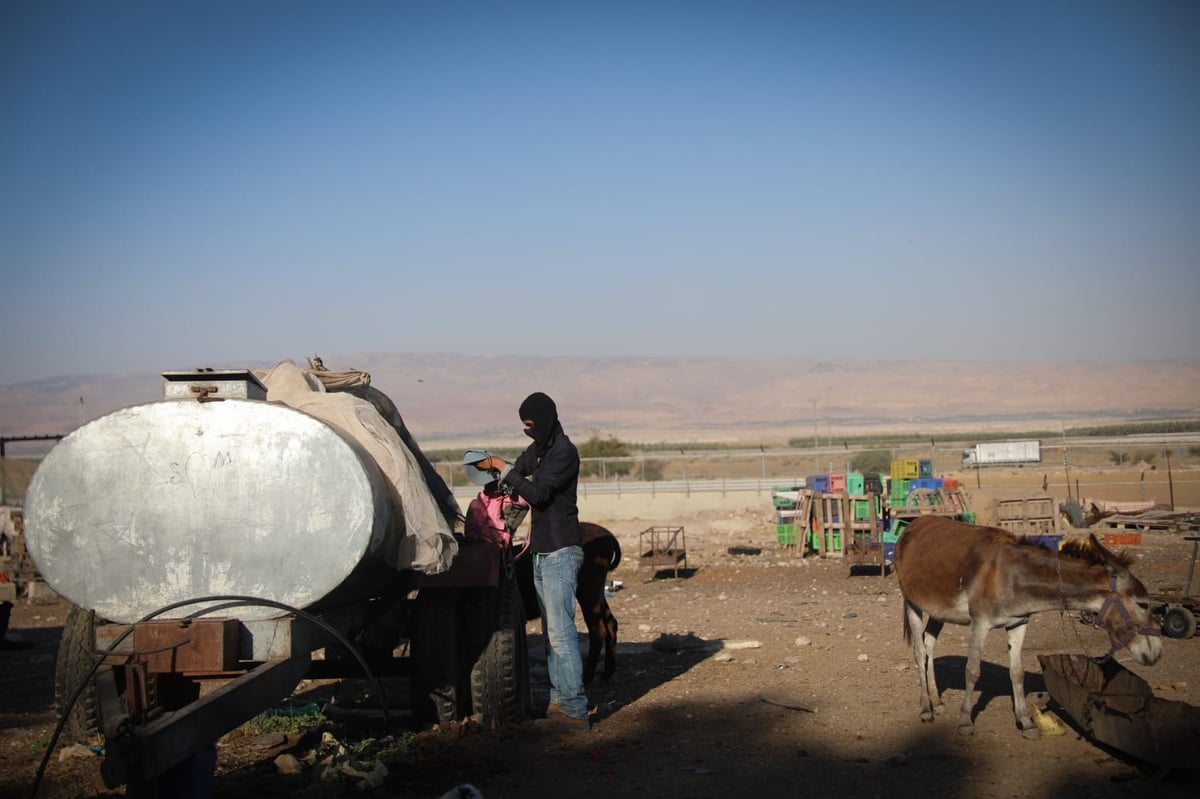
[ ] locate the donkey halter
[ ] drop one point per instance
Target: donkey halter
(1114, 601)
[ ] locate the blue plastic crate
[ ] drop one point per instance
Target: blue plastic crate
(930, 483)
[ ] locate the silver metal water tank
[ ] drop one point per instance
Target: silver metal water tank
(180, 499)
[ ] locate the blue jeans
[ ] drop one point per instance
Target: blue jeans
(554, 576)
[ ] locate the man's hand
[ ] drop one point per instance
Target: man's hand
(491, 463)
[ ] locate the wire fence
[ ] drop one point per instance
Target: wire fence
(762, 471)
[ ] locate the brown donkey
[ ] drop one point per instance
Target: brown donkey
(601, 555)
(986, 578)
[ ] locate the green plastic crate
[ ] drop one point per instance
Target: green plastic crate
(833, 541)
(862, 509)
(785, 497)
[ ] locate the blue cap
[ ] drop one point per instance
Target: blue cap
(479, 477)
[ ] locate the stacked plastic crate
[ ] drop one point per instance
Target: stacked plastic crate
(890, 536)
(786, 500)
(820, 484)
(908, 475)
(860, 484)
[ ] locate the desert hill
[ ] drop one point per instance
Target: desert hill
(450, 399)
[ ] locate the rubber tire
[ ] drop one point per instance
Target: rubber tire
(438, 689)
(499, 678)
(73, 664)
(1179, 623)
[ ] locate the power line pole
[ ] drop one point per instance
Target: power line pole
(816, 431)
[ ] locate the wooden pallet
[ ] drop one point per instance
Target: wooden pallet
(951, 502)
(1029, 515)
(840, 535)
(1161, 521)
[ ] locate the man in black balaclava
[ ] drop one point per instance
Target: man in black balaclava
(540, 415)
(546, 475)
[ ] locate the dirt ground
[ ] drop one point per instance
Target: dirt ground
(752, 674)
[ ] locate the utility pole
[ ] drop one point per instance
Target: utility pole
(1170, 480)
(1062, 420)
(816, 431)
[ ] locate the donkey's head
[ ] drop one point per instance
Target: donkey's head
(1125, 612)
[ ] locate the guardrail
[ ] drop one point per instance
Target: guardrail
(619, 487)
(465, 493)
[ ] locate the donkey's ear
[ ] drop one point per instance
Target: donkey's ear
(1110, 560)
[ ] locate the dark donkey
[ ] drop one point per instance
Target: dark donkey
(986, 577)
(601, 555)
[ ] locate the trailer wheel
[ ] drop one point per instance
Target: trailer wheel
(500, 675)
(74, 665)
(1179, 623)
(437, 687)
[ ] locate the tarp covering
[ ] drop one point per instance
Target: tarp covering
(424, 505)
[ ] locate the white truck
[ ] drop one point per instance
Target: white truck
(996, 453)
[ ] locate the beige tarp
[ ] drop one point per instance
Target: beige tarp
(425, 540)
(1105, 506)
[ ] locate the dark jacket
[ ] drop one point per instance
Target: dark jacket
(547, 477)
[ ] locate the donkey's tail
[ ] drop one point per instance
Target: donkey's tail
(616, 554)
(904, 621)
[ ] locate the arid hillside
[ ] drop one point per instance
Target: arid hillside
(448, 398)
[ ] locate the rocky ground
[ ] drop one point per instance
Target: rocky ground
(753, 673)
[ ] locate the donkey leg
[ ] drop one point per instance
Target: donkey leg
(589, 591)
(1016, 672)
(591, 617)
(609, 633)
(976, 636)
(933, 628)
(595, 640)
(917, 622)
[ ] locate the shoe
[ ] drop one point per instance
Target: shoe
(561, 722)
(554, 709)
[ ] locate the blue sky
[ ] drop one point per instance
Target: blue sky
(211, 183)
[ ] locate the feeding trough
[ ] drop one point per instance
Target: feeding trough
(1115, 707)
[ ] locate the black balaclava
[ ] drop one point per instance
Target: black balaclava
(539, 409)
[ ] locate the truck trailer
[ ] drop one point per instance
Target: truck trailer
(996, 453)
(245, 532)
